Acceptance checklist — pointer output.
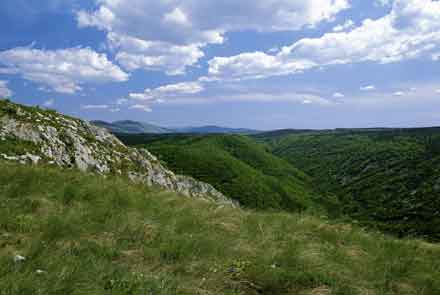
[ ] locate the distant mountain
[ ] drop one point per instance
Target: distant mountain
(134, 127)
(211, 129)
(131, 127)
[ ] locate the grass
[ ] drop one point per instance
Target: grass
(94, 235)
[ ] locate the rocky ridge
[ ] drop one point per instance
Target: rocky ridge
(34, 136)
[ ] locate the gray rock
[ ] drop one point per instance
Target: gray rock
(69, 142)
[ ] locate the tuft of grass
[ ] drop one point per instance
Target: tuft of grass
(85, 234)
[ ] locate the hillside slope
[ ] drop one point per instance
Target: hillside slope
(32, 135)
(66, 232)
(235, 165)
(384, 178)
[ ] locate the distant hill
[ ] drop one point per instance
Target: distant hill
(131, 127)
(216, 130)
(134, 127)
(235, 165)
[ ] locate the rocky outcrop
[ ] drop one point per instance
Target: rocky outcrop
(31, 135)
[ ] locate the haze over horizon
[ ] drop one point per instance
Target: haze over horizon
(260, 64)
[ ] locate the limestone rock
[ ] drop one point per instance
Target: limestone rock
(51, 138)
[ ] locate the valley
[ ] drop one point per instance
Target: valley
(385, 179)
(83, 213)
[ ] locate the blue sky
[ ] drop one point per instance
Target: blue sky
(263, 64)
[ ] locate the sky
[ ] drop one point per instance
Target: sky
(261, 64)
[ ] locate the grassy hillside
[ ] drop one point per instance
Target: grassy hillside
(384, 178)
(235, 165)
(85, 234)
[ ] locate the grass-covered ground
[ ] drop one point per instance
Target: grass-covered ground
(84, 234)
(236, 165)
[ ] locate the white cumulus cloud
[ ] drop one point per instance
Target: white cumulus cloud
(410, 30)
(368, 88)
(338, 95)
(141, 107)
(169, 35)
(95, 107)
(181, 88)
(383, 2)
(349, 24)
(64, 70)
(134, 53)
(168, 90)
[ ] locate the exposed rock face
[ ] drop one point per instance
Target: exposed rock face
(38, 136)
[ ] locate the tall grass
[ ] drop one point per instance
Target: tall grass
(84, 234)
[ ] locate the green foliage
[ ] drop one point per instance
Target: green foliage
(236, 166)
(86, 234)
(389, 179)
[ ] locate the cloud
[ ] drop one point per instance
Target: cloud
(181, 88)
(193, 93)
(169, 35)
(195, 21)
(409, 31)
(168, 90)
(121, 101)
(177, 17)
(4, 90)
(437, 91)
(382, 3)
(260, 97)
(292, 97)
(141, 107)
(145, 96)
(63, 70)
(48, 103)
(163, 93)
(367, 88)
(95, 107)
(102, 107)
(386, 99)
(349, 24)
(134, 53)
(255, 65)
(273, 50)
(338, 95)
